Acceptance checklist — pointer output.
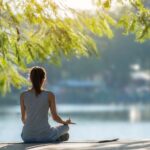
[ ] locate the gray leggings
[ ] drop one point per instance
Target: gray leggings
(59, 131)
(54, 134)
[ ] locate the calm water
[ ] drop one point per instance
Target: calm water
(94, 122)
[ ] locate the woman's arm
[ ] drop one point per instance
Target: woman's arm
(52, 105)
(22, 107)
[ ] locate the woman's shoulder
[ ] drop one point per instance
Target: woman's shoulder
(24, 92)
(50, 93)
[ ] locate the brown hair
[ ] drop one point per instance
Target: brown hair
(37, 74)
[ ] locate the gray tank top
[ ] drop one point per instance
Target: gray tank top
(37, 114)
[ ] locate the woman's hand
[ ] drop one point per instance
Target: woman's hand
(69, 122)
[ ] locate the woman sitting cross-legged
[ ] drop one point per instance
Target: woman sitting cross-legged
(35, 104)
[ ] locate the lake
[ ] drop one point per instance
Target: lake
(93, 122)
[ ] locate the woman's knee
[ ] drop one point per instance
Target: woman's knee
(67, 127)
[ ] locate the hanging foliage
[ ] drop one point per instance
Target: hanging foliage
(43, 30)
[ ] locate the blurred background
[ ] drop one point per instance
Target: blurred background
(107, 97)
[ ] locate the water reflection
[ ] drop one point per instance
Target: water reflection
(100, 121)
(135, 114)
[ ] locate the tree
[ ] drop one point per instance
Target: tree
(47, 30)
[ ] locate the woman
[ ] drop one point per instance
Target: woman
(35, 104)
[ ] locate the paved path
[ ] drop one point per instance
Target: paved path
(85, 145)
